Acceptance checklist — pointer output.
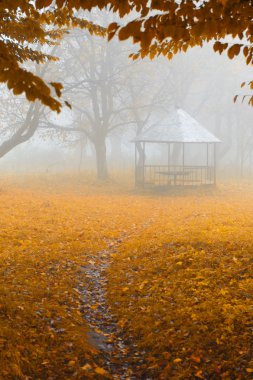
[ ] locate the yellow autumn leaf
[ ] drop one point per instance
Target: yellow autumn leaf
(101, 371)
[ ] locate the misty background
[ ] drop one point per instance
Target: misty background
(114, 99)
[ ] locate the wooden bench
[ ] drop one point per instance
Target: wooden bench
(175, 174)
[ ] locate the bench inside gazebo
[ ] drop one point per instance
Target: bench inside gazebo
(183, 134)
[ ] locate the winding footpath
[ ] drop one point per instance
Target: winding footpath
(121, 359)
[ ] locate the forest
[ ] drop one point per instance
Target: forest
(126, 188)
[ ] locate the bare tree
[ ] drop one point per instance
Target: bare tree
(94, 71)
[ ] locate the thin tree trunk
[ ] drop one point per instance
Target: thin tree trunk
(101, 159)
(141, 155)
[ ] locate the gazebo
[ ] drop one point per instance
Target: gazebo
(179, 133)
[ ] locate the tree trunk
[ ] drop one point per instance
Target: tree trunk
(140, 175)
(101, 159)
(141, 155)
(25, 132)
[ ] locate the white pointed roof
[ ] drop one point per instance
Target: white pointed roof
(179, 126)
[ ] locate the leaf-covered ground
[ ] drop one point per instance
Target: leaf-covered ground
(179, 282)
(183, 289)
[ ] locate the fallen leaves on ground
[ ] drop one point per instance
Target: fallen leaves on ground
(48, 233)
(183, 288)
(180, 284)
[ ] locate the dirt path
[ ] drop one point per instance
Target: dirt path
(121, 359)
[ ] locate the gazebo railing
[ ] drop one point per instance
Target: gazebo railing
(174, 175)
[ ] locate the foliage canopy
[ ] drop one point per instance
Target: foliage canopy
(159, 26)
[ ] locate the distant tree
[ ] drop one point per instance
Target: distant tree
(148, 100)
(94, 85)
(108, 92)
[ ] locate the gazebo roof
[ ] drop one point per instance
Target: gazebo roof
(179, 126)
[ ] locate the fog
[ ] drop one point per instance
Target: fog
(114, 99)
